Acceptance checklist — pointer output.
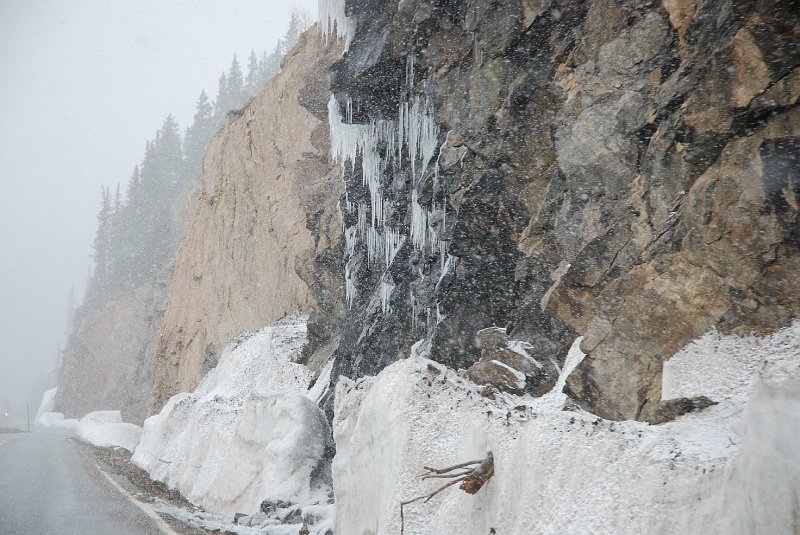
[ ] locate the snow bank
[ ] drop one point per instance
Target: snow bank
(55, 419)
(721, 470)
(248, 432)
(46, 406)
(106, 429)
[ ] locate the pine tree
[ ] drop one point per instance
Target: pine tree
(235, 85)
(198, 135)
(296, 26)
(269, 65)
(99, 281)
(116, 237)
(251, 82)
(222, 102)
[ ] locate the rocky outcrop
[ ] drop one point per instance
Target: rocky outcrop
(264, 230)
(108, 361)
(624, 171)
(508, 366)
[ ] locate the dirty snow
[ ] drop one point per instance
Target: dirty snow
(248, 432)
(732, 468)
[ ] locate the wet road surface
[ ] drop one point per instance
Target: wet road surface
(48, 487)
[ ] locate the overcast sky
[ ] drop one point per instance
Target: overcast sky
(83, 85)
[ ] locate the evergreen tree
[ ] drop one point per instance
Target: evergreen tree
(269, 65)
(116, 239)
(236, 92)
(198, 135)
(222, 103)
(99, 281)
(296, 27)
(251, 82)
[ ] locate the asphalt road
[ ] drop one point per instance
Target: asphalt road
(48, 487)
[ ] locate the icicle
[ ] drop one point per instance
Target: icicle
(446, 267)
(362, 218)
(334, 21)
(439, 316)
(418, 129)
(350, 239)
(419, 222)
(393, 242)
(411, 61)
(374, 245)
(413, 312)
(350, 289)
(387, 287)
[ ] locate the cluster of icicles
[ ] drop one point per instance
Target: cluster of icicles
(383, 146)
(334, 21)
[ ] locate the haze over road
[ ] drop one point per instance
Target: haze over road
(48, 486)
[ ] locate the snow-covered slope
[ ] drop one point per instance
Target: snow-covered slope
(249, 432)
(732, 468)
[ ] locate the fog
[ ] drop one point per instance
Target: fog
(84, 85)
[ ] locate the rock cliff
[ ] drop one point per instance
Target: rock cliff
(263, 227)
(624, 171)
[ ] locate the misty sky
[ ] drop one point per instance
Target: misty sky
(83, 85)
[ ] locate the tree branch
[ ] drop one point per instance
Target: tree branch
(472, 478)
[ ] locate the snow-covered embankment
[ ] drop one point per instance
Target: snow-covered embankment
(45, 417)
(731, 468)
(251, 431)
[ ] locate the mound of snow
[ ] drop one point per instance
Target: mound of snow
(248, 432)
(55, 419)
(726, 469)
(106, 429)
(46, 406)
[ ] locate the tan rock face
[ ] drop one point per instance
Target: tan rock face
(108, 362)
(265, 210)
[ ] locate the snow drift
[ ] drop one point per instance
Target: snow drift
(249, 432)
(56, 419)
(48, 401)
(45, 417)
(732, 468)
(106, 429)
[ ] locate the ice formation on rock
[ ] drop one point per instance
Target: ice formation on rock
(334, 21)
(386, 149)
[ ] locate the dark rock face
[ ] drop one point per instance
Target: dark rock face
(624, 171)
(670, 409)
(508, 366)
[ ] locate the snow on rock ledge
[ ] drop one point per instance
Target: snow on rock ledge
(248, 432)
(558, 471)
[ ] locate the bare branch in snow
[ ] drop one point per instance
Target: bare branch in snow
(472, 475)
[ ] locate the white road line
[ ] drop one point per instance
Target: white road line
(162, 525)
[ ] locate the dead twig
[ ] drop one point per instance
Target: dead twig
(473, 476)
